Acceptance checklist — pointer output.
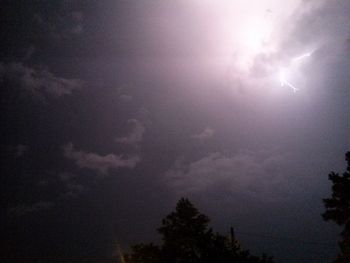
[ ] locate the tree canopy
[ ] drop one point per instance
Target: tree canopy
(187, 238)
(338, 209)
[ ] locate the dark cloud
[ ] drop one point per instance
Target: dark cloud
(29, 53)
(21, 149)
(73, 190)
(171, 83)
(78, 19)
(17, 151)
(24, 209)
(67, 185)
(66, 22)
(38, 81)
(73, 185)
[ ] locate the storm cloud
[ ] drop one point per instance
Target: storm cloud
(149, 101)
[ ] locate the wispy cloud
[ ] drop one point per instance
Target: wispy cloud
(135, 135)
(205, 134)
(73, 190)
(137, 128)
(99, 163)
(125, 97)
(23, 209)
(38, 81)
(245, 172)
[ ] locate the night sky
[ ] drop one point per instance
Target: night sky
(113, 110)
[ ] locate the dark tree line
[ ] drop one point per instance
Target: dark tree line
(338, 209)
(187, 238)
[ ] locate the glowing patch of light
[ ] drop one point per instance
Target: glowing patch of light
(284, 82)
(254, 37)
(306, 55)
(282, 75)
(255, 34)
(284, 72)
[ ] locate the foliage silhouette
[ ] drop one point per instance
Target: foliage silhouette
(338, 209)
(187, 238)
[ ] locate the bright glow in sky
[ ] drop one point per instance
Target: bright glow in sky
(284, 73)
(256, 34)
(245, 30)
(253, 38)
(241, 103)
(248, 40)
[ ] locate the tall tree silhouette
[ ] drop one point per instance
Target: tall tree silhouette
(187, 238)
(338, 209)
(185, 233)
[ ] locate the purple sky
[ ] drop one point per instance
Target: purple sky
(113, 110)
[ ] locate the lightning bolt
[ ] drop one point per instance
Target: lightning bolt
(283, 72)
(294, 89)
(284, 81)
(306, 55)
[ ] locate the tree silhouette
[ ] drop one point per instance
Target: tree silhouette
(185, 233)
(338, 209)
(187, 238)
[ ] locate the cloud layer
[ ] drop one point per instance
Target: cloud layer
(205, 134)
(135, 135)
(24, 209)
(38, 81)
(102, 164)
(245, 173)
